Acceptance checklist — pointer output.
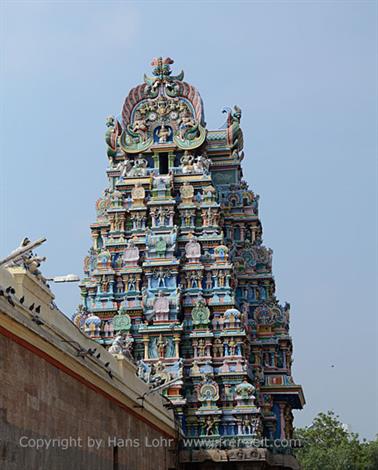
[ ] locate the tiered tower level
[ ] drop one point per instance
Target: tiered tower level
(178, 278)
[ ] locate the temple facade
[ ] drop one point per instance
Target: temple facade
(178, 278)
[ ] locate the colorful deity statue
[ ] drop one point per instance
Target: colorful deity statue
(193, 250)
(161, 306)
(164, 134)
(187, 124)
(131, 254)
(187, 193)
(244, 390)
(187, 162)
(137, 195)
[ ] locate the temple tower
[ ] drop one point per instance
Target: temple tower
(178, 278)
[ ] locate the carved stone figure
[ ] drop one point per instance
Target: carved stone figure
(164, 134)
(221, 253)
(187, 193)
(122, 345)
(202, 165)
(193, 250)
(209, 426)
(244, 390)
(131, 254)
(139, 168)
(201, 347)
(138, 194)
(139, 125)
(160, 374)
(111, 137)
(195, 370)
(159, 245)
(152, 348)
(170, 348)
(161, 187)
(209, 280)
(161, 345)
(103, 259)
(161, 304)
(186, 125)
(187, 162)
(144, 371)
(124, 168)
(218, 347)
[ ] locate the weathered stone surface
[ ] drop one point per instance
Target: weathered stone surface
(40, 401)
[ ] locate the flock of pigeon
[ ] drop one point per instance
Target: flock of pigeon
(9, 294)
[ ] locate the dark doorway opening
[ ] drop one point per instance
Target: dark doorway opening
(163, 164)
(115, 458)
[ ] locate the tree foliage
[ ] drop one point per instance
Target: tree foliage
(328, 445)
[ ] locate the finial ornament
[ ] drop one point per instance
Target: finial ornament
(162, 78)
(162, 69)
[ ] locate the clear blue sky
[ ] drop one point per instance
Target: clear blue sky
(304, 74)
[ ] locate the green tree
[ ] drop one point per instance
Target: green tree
(328, 445)
(370, 454)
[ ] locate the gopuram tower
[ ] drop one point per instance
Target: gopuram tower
(178, 279)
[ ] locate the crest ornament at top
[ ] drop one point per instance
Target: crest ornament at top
(164, 110)
(162, 76)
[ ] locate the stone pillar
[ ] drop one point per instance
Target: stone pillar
(284, 363)
(242, 232)
(94, 238)
(282, 421)
(171, 160)
(171, 214)
(145, 342)
(176, 339)
(155, 158)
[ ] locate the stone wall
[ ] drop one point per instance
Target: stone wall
(38, 400)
